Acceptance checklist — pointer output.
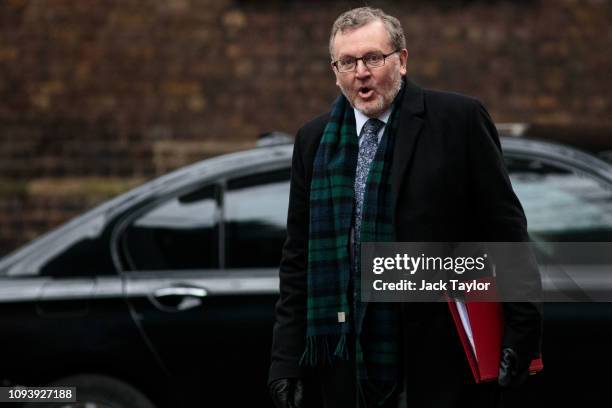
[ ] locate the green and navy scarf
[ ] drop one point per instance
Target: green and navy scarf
(376, 333)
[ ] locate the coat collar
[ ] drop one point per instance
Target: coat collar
(409, 129)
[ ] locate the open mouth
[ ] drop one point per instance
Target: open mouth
(365, 92)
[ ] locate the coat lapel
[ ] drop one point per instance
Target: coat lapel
(410, 124)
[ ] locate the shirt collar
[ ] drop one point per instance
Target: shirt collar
(361, 119)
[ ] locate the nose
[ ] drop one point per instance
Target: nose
(361, 70)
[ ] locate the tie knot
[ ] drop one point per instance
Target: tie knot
(372, 126)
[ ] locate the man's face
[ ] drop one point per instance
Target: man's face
(370, 90)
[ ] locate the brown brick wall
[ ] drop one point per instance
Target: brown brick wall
(117, 91)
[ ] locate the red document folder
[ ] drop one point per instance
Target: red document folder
(486, 326)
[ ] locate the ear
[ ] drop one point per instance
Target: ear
(335, 74)
(403, 61)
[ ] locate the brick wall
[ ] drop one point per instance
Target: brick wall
(98, 95)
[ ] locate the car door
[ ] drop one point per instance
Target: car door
(202, 279)
(563, 205)
(63, 315)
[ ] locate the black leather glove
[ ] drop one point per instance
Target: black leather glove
(513, 369)
(287, 393)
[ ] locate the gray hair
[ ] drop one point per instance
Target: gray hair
(358, 17)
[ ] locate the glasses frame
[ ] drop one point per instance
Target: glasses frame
(335, 63)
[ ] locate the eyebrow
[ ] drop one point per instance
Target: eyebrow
(365, 53)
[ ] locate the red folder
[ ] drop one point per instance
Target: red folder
(486, 323)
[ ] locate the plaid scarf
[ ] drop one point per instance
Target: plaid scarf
(332, 313)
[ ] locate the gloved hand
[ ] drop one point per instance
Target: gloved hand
(513, 369)
(287, 393)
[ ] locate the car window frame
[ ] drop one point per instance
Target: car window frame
(147, 204)
(227, 182)
(118, 234)
(574, 166)
(577, 167)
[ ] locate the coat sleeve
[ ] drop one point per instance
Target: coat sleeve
(289, 333)
(501, 218)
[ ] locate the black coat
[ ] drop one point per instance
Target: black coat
(449, 183)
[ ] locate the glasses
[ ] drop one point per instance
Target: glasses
(371, 60)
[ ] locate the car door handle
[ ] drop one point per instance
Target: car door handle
(181, 291)
(178, 298)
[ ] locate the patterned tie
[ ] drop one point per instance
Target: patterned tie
(367, 150)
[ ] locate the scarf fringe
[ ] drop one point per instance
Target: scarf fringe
(341, 349)
(318, 350)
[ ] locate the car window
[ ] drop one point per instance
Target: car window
(562, 205)
(181, 233)
(255, 218)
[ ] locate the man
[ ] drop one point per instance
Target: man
(390, 162)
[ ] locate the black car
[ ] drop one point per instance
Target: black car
(163, 296)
